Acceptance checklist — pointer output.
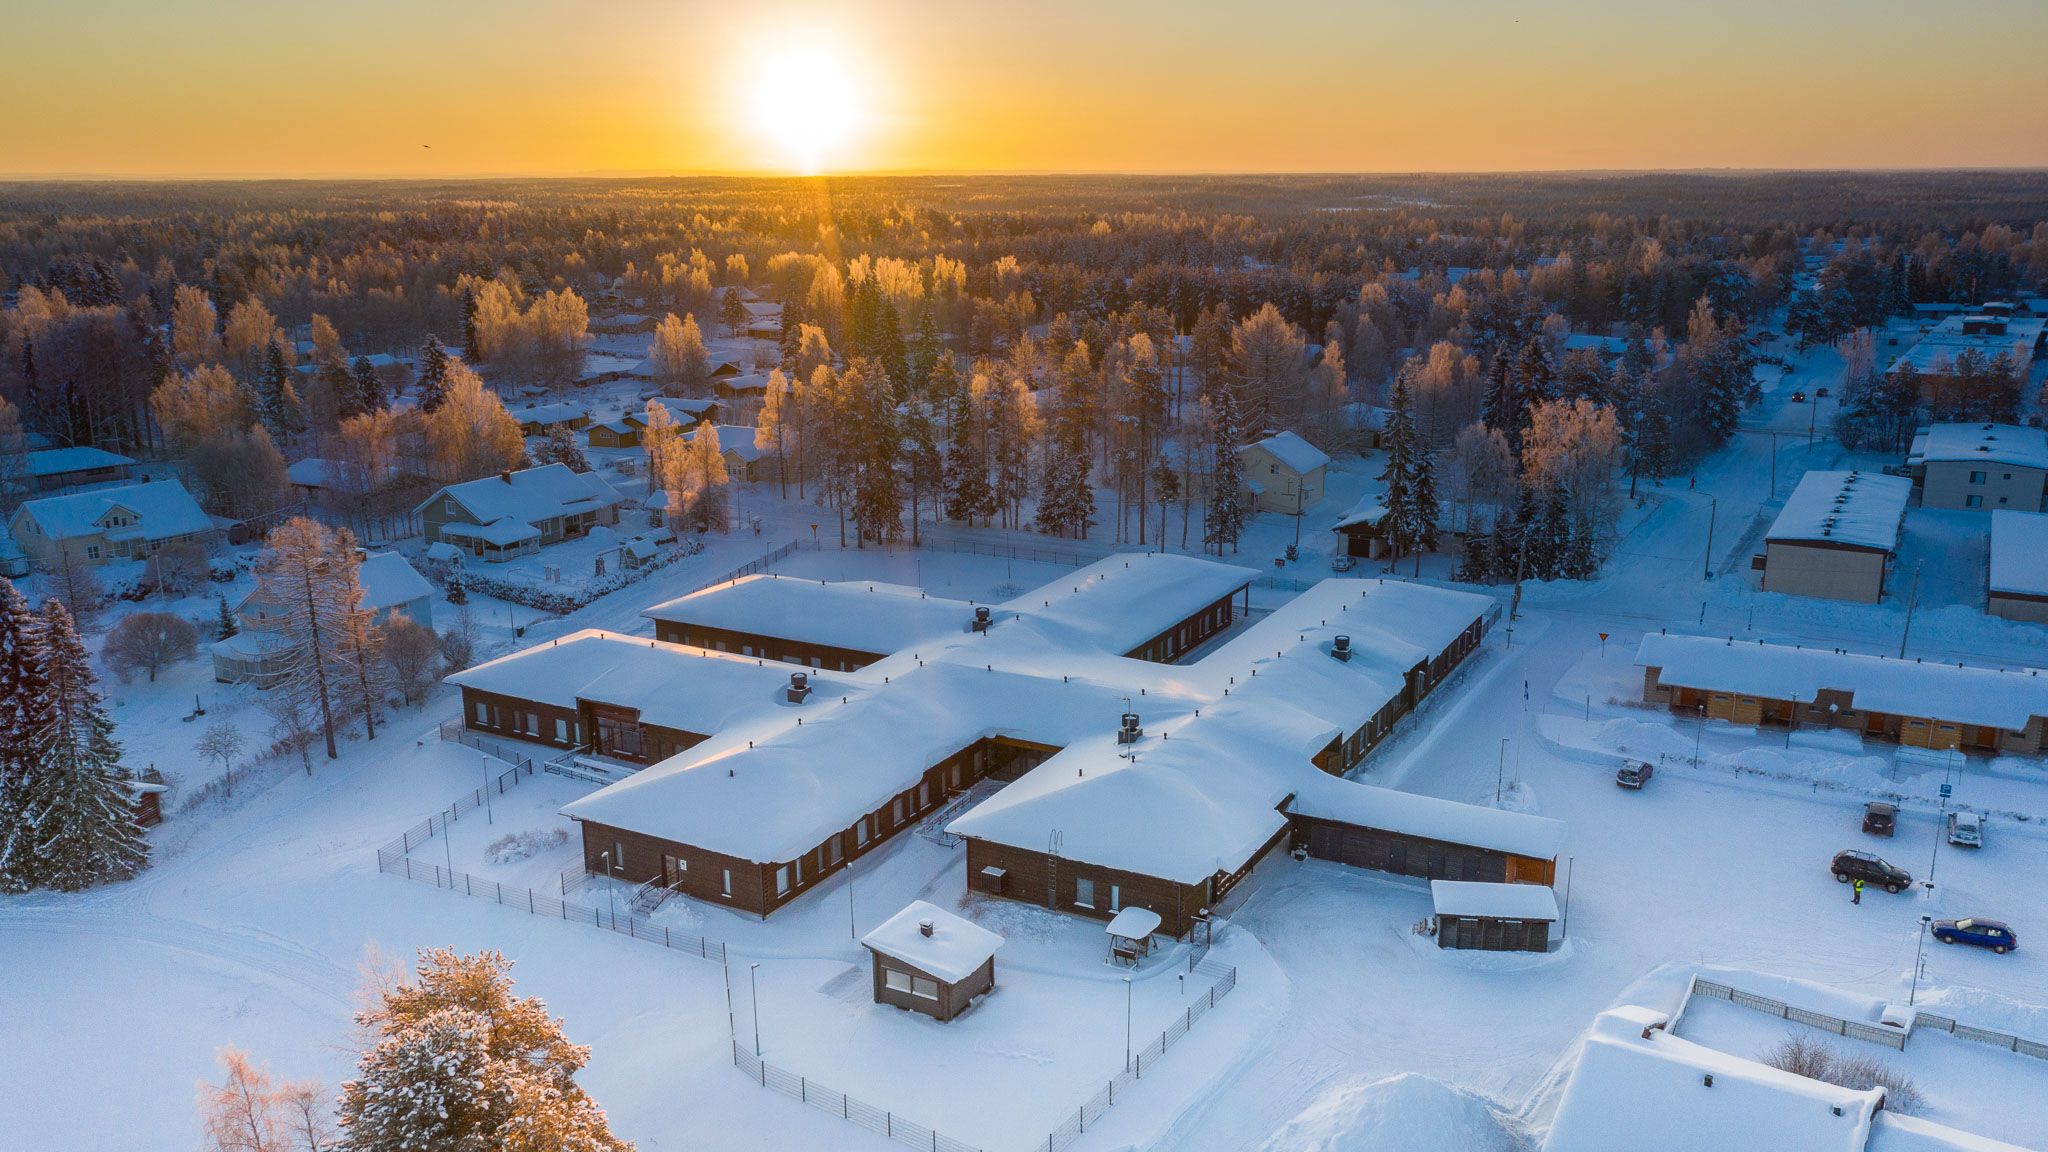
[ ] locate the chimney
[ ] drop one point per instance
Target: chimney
(1130, 732)
(799, 687)
(981, 620)
(1341, 649)
(924, 927)
(506, 476)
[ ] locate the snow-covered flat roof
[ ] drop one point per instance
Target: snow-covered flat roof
(1853, 509)
(952, 953)
(2019, 552)
(1896, 1132)
(1638, 1087)
(1966, 695)
(1119, 602)
(687, 689)
(1991, 443)
(1292, 451)
(861, 615)
(1497, 901)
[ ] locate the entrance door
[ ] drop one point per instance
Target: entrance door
(674, 870)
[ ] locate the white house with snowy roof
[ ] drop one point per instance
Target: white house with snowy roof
(102, 525)
(1127, 779)
(1283, 472)
(255, 653)
(514, 513)
(1835, 536)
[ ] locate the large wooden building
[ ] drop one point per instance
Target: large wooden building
(1912, 702)
(1981, 467)
(2016, 585)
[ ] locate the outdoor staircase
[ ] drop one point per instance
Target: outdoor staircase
(590, 769)
(649, 896)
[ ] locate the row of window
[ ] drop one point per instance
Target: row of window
(908, 982)
(526, 724)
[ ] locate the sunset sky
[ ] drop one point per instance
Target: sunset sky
(428, 87)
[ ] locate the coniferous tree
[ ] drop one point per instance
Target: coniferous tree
(472, 347)
(277, 402)
(732, 312)
(1550, 537)
(225, 625)
(1409, 524)
(456, 588)
(24, 704)
(968, 492)
(875, 445)
(432, 387)
(924, 470)
(1066, 500)
(367, 388)
(791, 338)
(75, 814)
(927, 349)
(1226, 515)
(559, 447)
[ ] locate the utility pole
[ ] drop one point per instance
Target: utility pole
(1500, 769)
(1919, 948)
(754, 990)
(1713, 508)
(1912, 598)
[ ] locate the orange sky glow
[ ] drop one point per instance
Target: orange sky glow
(464, 87)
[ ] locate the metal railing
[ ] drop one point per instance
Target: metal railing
(881, 1120)
(1090, 1112)
(2005, 1040)
(1852, 1029)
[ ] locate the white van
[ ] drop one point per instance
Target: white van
(1966, 829)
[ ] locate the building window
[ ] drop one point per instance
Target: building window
(924, 795)
(2005, 476)
(860, 833)
(561, 731)
(92, 551)
(895, 981)
(726, 889)
(896, 810)
(448, 506)
(921, 986)
(1116, 898)
(1084, 892)
(1976, 477)
(482, 717)
(618, 855)
(1973, 501)
(782, 880)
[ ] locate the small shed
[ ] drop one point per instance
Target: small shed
(1493, 917)
(929, 960)
(149, 804)
(1130, 934)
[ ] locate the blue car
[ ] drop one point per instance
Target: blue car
(1978, 931)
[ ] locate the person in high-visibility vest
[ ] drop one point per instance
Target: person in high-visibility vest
(1857, 889)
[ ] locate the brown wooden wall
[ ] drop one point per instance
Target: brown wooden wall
(1492, 934)
(1028, 874)
(1381, 850)
(523, 719)
(953, 998)
(1173, 642)
(782, 648)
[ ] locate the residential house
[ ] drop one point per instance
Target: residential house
(1283, 473)
(254, 654)
(1981, 466)
(102, 525)
(53, 469)
(512, 513)
(535, 419)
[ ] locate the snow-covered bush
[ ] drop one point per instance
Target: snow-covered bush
(1816, 1059)
(524, 845)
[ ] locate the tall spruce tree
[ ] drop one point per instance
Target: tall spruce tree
(24, 704)
(968, 492)
(1066, 500)
(1226, 515)
(76, 812)
(472, 347)
(927, 348)
(432, 386)
(559, 447)
(1410, 476)
(277, 401)
(366, 387)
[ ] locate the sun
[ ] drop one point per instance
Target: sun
(807, 108)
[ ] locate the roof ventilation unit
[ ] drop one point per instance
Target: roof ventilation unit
(981, 620)
(799, 687)
(1341, 648)
(924, 927)
(1130, 732)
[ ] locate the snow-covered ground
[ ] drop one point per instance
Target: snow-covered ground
(1346, 1023)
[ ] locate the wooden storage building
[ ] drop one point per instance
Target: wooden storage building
(1835, 536)
(929, 960)
(1493, 917)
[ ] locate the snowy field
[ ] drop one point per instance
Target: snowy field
(250, 927)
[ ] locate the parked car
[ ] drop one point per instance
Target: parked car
(1820, 392)
(1978, 931)
(1342, 563)
(1880, 818)
(1634, 773)
(1871, 869)
(1966, 829)
(1799, 397)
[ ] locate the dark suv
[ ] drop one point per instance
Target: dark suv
(1870, 869)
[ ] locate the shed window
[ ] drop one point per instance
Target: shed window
(1084, 892)
(782, 880)
(895, 981)
(921, 986)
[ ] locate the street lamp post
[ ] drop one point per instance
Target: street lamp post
(754, 991)
(1500, 769)
(1912, 598)
(1941, 816)
(1919, 949)
(610, 901)
(489, 818)
(1127, 1023)
(1713, 509)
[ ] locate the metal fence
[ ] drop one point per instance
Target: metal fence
(1070, 1129)
(396, 859)
(2003, 1040)
(1853, 1029)
(828, 1100)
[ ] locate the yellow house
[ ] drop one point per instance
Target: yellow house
(1283, 472)
(107, 524)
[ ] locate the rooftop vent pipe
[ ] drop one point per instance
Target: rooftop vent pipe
(799, 687)
(981, 620)
(1130, 732)
(1341, 649)
(924, 927)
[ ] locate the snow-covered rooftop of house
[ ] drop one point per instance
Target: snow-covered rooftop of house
(530, 494)
(735, 438)
(503, 531)
(687, 689)
(314, 472)
(861, 615)
(53, 461)
(1123, 600)
(2019, 552)
(389, 581)
(1856, 509)
(680, 407)
(956, 947)
(545, 414)
(1965, 695)
(1292, 451)
(1637, 1087)
(1994, 443)
(745, 382)
(162, 509)
(1938, 349)
(1497, 901)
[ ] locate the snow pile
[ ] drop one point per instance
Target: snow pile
(517, 846)
(1404, 1113)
